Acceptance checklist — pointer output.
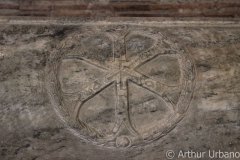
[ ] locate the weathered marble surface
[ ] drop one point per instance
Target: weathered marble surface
(31, 129)
(121, 8)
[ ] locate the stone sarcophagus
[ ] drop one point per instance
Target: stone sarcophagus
(127, 89)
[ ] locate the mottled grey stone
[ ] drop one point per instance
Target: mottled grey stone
(118, 90)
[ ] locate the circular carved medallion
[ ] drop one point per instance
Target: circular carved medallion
(120, 87)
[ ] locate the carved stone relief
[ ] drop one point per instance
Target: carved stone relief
(118, 86)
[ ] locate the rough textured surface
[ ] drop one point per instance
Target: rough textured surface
(30, 117)
(119, 8)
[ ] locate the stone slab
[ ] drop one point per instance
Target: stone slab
(118, 88)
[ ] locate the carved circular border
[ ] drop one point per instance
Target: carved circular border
(54, 91)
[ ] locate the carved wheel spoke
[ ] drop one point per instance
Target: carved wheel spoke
(122, 110)
(96, 64)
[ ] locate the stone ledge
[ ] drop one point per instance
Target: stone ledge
(60, 8)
